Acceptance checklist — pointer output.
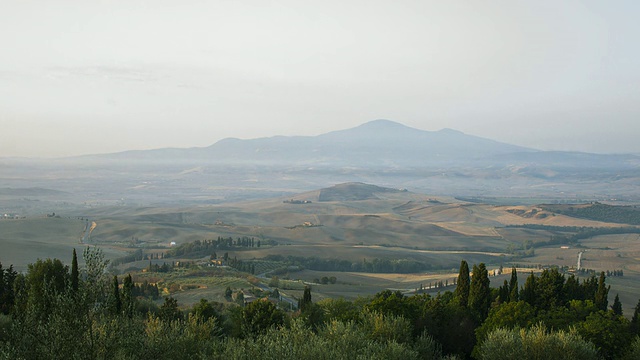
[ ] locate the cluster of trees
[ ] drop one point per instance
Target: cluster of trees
(62, 312)
(147, 290)
(157, 268)
(137, 255)
(401, 266)
(600, 212)
(325, 280)
(241, 265)
(206, 247)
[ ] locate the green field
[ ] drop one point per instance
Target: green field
(24, 241)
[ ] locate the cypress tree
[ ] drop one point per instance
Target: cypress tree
(306, 299)
(635, 320)
(480, 291)
(617, 306)
(513, 286)
(462, 288)
(127, 296)
(572, 289)
(529, 292)
(75, 275)
(116, 302)
(7, 295)
(602, 293)
(503, 293)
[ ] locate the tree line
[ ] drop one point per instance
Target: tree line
(206, 247)
(85, 313)
(400, 266)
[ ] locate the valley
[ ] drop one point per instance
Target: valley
(369, 238)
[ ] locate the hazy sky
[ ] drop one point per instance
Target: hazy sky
(95, 76)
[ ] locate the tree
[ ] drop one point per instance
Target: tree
(634, 350)
(75, 274)
(169, 311)
(306, 299)
(462, 288)
(45, 280)
(451, 325)
(275, 294)
(389, 302)
(549, 289)
(480, 291)
(339, 309)
(115, 303)
(204, 310)
(572, 289)
(635, 320)
(528, 293)
(617, 306)
(240, 298)
(515, 314)
(503, 293)
(259, 316)
(607, 331)
(601, 298)
(3, 286)
(128, 300)
(513, 286)
(535, 343)
(7, 295)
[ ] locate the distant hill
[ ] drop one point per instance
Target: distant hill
(376, 143)
(35, 191)
(353, 191)
(598, 212)
(445, 162)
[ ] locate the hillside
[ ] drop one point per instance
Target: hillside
(599, 212)
(368, 236)
(354, 191)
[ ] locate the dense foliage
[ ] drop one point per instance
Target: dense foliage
(83, 313)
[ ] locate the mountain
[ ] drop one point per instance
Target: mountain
(445, 162)
(377, 143)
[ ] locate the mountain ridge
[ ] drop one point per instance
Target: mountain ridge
(376, 142)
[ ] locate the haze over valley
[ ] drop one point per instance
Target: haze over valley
(319, 180)
(380, 152)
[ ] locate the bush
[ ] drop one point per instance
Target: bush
(536, 343)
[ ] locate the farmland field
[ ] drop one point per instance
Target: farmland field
(432, 234)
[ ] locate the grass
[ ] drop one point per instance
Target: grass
(23, 241)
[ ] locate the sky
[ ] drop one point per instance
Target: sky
(100, 76)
